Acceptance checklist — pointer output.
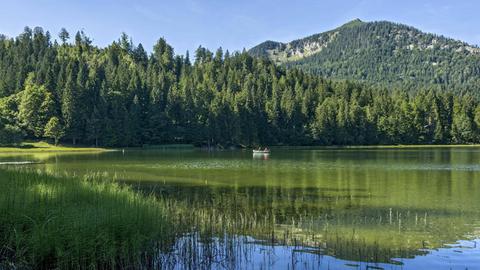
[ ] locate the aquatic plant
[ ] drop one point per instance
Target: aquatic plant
(51, 222)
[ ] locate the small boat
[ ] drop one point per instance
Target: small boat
(261, 152)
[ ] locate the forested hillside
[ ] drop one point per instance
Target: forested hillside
(120, 95)
(382, 53)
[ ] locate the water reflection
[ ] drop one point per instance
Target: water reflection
(240, 252)
(263, 156)
(380, 206)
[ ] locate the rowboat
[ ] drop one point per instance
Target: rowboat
(264, 152)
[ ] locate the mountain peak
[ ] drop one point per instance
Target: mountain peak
(379, 51)
(352, 23)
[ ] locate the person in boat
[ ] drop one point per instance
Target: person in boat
(266, 149)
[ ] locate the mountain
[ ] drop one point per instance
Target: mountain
(383, 53)
(120, 96)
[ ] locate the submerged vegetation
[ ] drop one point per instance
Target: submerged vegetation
(122, 96)
(88, 221)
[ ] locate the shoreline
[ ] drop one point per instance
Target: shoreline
(393, 146)
(43, 147)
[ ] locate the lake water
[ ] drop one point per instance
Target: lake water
(411, 208)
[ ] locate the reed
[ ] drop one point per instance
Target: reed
(90, 222)
(51, 222)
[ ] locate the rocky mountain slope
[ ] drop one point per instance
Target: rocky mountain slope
(383, 53)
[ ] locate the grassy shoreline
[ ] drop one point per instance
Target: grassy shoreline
(35, 147)
(51, 222)
(44, 147)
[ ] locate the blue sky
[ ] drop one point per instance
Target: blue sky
(234, 25)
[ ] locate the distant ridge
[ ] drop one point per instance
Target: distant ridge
(383, 53)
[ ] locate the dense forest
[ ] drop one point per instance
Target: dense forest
(72, 91)
(381, 53)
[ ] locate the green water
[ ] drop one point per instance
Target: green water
(354, 205)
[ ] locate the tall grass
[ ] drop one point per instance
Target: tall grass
(67, 222)
(49, 222)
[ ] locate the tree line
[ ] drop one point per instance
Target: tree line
(120, 95)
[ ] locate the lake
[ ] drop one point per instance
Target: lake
(398, 208)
